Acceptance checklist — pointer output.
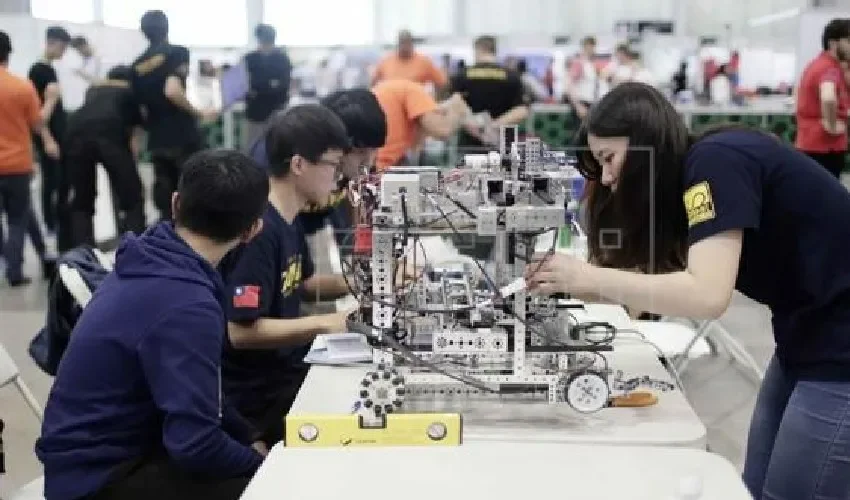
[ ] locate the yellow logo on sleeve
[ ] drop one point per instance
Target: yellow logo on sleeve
(698, 204)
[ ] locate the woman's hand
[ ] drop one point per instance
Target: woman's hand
(557, 273)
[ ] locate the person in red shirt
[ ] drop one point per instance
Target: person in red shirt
(823, 100)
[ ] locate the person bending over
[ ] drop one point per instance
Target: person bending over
(102, 131)
(734, 209)
(412, 114)
(136, 408)
(268, 278)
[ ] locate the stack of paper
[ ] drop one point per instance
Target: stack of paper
(339, 349)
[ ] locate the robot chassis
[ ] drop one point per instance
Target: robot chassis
(461, 330)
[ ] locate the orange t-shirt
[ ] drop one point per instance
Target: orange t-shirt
(403, 102)
(417, 68)
(19, 113)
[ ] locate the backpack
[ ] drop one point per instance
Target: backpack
(79, 272)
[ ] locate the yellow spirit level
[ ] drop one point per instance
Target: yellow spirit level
(402, 429)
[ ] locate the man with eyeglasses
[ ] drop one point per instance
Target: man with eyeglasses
(366, 125)
(269, 277)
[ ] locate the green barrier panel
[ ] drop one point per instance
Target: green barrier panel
(557, 129)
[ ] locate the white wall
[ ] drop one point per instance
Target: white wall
(727, 19)
(114, 45)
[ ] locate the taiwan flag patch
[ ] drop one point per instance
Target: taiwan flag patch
(247, 296)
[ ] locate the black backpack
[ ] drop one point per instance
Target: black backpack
(78, 274)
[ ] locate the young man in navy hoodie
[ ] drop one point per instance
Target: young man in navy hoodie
(271, 275)
(136, 408)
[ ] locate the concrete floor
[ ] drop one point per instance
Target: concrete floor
(722, 394)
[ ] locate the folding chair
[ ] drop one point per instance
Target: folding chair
(34, 490)
(9, 374)
(721, 337)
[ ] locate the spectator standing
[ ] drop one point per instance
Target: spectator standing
(269, 75)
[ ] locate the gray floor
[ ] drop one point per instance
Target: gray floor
(722, 395)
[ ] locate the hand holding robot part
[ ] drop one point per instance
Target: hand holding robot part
(549, 274)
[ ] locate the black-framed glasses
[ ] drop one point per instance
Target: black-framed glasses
(337, 165)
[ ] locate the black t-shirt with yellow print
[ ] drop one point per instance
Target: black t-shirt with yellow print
(263, 279)
(487, 87)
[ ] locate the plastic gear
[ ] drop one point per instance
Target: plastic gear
(587, 391)
(381, 391)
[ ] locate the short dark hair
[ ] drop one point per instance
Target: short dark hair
(362, 115)
(120, 72)
(5, 47)
(58, 34)
(654, 163)
(486, 43)
(588, 40)
(221, 193)
(835, 30)
(265, 33)
(624, 49)
(308, 130)
(79, 42)
(154, 26)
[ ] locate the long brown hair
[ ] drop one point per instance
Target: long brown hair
(642, 225)
(647, 210)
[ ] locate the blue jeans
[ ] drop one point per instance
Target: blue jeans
(15, 202)
(799, 443)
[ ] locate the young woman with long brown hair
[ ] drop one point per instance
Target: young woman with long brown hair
(700, 217)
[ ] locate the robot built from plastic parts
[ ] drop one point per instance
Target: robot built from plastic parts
(469, 330)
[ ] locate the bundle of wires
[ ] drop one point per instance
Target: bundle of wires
(390, 337)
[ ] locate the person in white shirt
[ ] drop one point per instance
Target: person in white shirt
(720, 88)
(638, 72)
(583, 80)
(619, 69)
(90, 70)
(205, 89)
(627, 67)
(327, 79)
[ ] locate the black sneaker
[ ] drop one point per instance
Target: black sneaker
(23, 281)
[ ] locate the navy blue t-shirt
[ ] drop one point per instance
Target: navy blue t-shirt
(796, 246)
(264, 280)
